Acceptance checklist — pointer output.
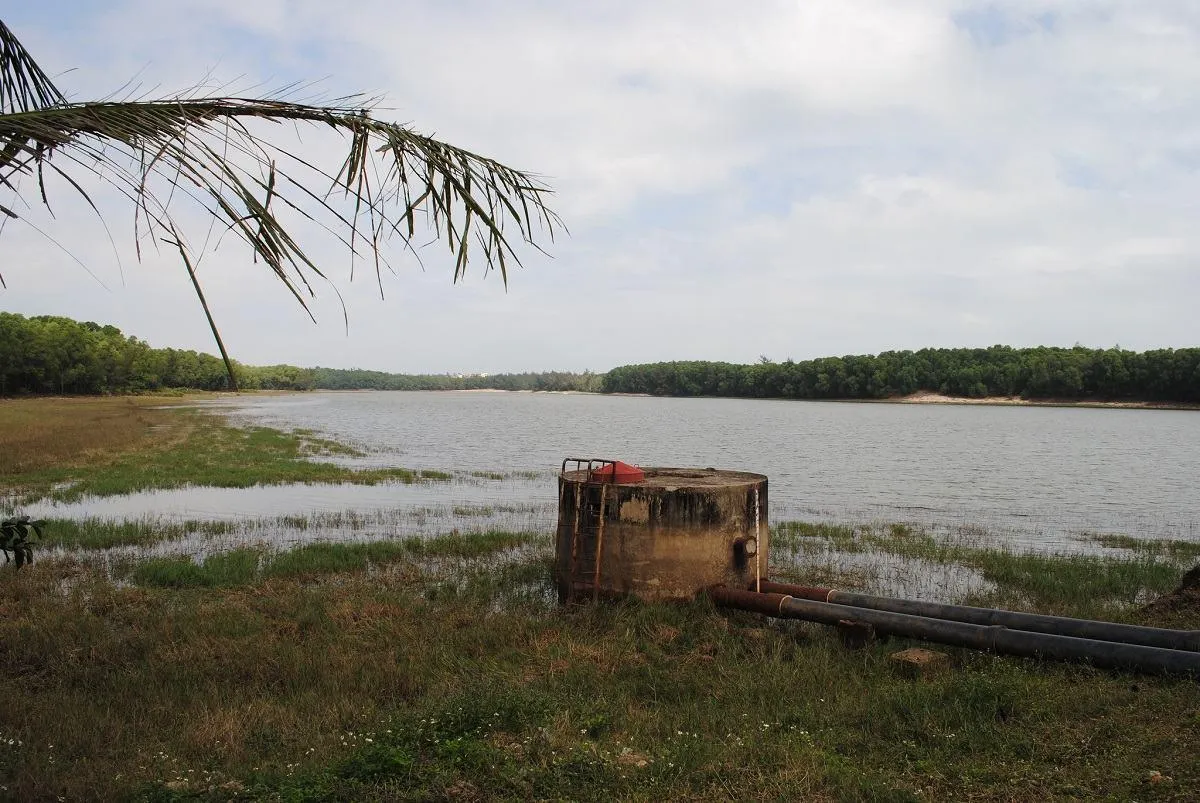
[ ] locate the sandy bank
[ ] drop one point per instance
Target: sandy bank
(928, 397)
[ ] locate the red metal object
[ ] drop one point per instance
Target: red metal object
(618, 472)
(596, 470)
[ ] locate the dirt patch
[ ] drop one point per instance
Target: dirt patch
(1180, 608)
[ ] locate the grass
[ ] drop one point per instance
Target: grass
(64, 449)
(228, 680)
(233, 568)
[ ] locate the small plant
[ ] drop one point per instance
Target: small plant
(17, 535)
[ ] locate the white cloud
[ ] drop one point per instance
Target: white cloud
(788, 178)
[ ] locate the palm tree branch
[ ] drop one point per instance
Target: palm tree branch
(214, 152)
(23, 85)
(172, 131)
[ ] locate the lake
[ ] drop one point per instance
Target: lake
(1040, 476)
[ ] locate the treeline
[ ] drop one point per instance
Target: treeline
(358, 379)
(50, 354)
(1162, 375)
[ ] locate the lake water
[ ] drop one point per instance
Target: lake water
(1040, 476)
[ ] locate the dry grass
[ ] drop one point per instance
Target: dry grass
(41, 433)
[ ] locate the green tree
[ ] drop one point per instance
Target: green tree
(216, 154)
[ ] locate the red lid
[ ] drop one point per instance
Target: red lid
(618, 472)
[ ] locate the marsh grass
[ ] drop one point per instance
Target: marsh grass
(509, 475)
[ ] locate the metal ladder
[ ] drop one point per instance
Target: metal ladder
(587, 531)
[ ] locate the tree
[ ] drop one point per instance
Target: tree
(214, 153)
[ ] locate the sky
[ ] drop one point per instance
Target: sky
(783, 179)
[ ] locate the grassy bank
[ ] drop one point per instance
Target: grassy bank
(67, 448)
(442, 669)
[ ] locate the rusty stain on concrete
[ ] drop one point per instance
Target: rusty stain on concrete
(636, 511)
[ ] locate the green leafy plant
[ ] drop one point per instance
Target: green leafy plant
(17, 535)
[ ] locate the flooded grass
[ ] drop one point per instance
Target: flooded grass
(975, 570)
(510, 475)
(310, 561)
(1171, 549)
(86, 534)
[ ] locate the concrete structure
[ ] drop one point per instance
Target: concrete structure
(668, 536)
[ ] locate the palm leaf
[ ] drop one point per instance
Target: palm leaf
(219, 153)
(23, 85)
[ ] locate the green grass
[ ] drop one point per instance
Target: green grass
(234, 568)
(1089, 585)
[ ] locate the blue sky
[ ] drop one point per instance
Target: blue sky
(794, 179)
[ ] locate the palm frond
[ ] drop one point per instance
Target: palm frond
(23, 85)
(219, 153)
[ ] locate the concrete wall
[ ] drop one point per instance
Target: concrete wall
(678, 532)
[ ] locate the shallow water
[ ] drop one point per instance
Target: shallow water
(1034, 476)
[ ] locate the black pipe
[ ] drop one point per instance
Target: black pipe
(995, 638)
(1014, 620)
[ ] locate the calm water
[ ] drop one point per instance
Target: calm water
(1034, 474)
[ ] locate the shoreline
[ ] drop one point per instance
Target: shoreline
(929, 397)
(920, 397)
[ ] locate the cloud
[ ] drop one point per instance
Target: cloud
(787, 178)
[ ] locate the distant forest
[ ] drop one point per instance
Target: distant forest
(48, 354)
(1077, 374)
